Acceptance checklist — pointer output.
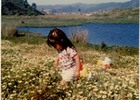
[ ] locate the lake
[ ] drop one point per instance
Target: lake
(111, 34)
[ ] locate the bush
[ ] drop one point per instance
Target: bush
(9, 30)
(79, 36)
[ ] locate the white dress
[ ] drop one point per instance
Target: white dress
(67, 62)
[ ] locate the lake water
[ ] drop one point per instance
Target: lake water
(111, 34)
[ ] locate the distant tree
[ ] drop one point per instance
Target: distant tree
(18, 7)
(34, 5)
(26, 2)
(79, 10)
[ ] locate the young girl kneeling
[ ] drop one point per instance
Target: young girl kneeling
(67, 55)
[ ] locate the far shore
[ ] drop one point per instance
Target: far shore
(126, 16)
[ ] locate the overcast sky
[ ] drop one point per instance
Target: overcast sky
(53, 2)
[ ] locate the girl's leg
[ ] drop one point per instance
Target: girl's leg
(67, 76)
(63, 82)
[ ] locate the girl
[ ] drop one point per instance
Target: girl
(67, 55)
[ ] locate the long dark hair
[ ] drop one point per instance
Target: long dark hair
(58, 36)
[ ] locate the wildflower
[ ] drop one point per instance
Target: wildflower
(78, 85)
(19, 81)
(131, 82)
(117, 87)
(24, 74)
(111, 87)
(129, 95)
(9, 83)
(104, 96)
(81, 92)
(96, 89)
(39, 91)
(99, 96)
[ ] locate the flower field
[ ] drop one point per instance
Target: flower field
(27, 73)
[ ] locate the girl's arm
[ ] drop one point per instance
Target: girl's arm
(55, 64)
(77, 59)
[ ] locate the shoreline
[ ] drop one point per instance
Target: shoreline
(70, 25)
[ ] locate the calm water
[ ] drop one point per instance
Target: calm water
(111, 34)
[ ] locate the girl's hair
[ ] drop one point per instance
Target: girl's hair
(57, 36)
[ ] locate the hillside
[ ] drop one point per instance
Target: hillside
(18, 7)
(89, 7)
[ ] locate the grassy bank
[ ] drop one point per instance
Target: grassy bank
(28, 72)
(37, 38)
(47, 20)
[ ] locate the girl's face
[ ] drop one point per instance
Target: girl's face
(58, 47)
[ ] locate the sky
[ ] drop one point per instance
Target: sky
(54, 2)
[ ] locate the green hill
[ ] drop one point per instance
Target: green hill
(18, 7)
(129, 15)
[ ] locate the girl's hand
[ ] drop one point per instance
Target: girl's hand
(77, 73)
(55, 64)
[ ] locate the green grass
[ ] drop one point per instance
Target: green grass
(26, 37)
(27, 72)
(46, 21)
